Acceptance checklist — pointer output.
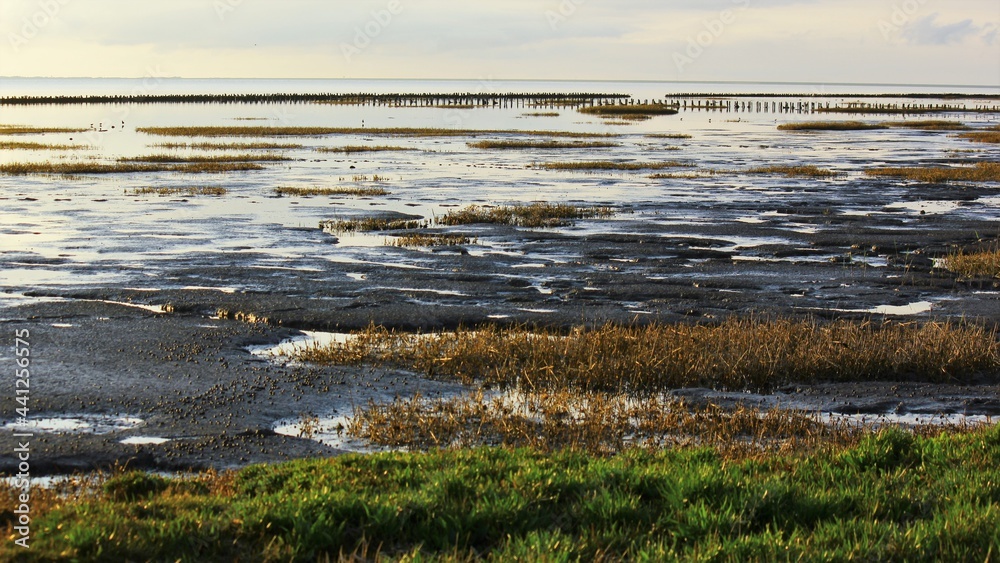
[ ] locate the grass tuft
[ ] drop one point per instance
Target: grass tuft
(830, 126)
(533, 215)
(436, 239)
(23, 168)
(982, 172)
(190, 191)
(358, 191)
(351, 149)
(173, 158)
(807, 171)
(929, 125)
(264, 131)
(541, 145)
(229, 146)
(611, 165)
(27, 130)
(736, 354)
(370, 224)
(15, 145)
(982, 264)
(982, 136)
(624, 111)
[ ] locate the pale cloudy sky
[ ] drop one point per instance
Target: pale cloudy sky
(826, 41)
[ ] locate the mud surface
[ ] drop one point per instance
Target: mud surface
(136, 306)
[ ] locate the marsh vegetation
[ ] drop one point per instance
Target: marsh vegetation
(265, 131)
(981, 172)
(23, 168)
(592, 165)
(535, 215)
(183, 191)
(321, 191)
(518, 145)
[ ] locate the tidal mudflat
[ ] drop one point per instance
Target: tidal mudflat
(151, 260)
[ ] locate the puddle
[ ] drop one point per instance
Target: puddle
(144, 441)
(308, 339)
(81, 424)
(910, 309)
(330, 431)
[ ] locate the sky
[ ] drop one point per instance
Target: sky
(947, 42)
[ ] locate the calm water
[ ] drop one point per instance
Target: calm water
(67, 232)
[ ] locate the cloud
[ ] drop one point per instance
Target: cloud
(926, 31)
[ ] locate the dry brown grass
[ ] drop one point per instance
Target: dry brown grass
(736, 354)
(982, 136)
(807, 171)
(929, 125)
(830, 126)
(668, 136)
(982, 264)
(432, 239)
(534, 215)
(514, 145)
(316, 191)
(265, 131)
(982, 172)
(370, 224)
(623, 111)
(16, 145)
(22, 168)
(596, 422)
(229, 146)
(28, 130)
(187, 191)
(611, 165)
(351, 149)
(174, 158)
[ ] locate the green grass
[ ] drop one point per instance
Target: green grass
(533, 215)
(317, 191)
(892, 496)
(982, 172)
(364, 148)
(830, 126)
(512, 144)
(189, 191)
(264, 131)
(611, 165)
(23, 168)
(626, 111)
